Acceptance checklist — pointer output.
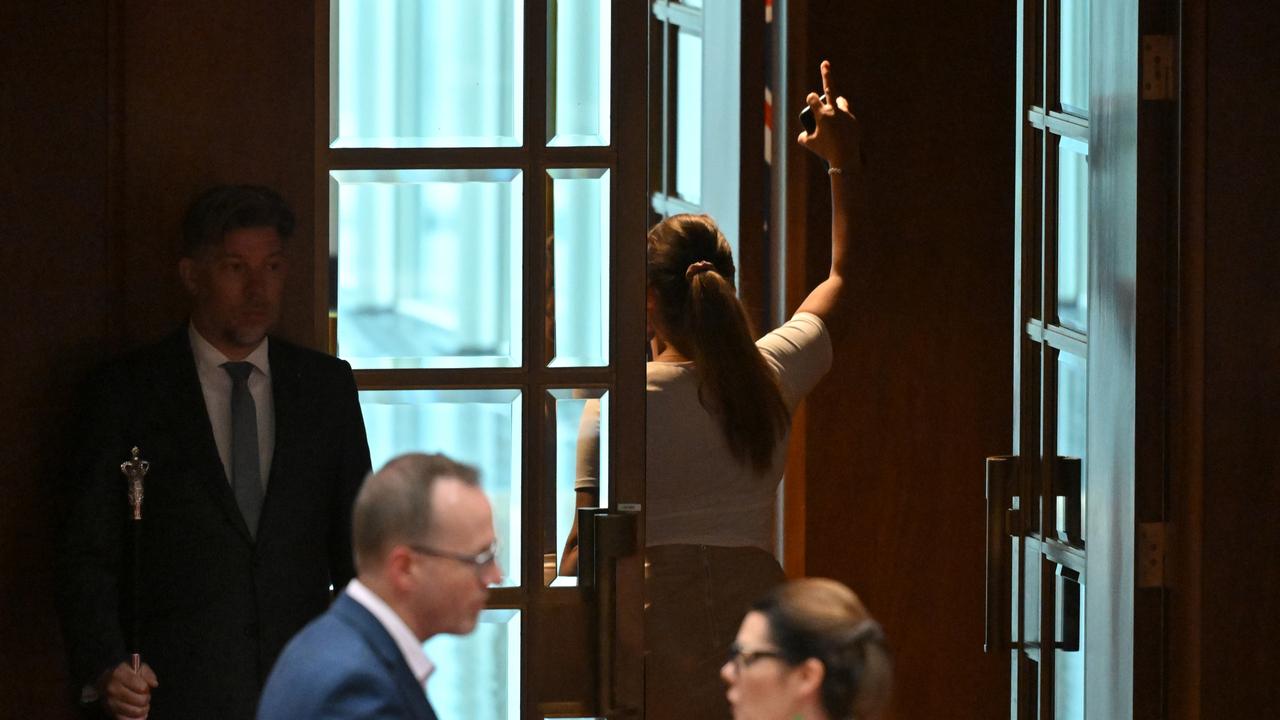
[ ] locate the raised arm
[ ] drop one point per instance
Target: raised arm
(837, 139)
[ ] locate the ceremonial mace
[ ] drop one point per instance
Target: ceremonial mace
(134, 471)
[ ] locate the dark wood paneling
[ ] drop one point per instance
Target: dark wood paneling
(921, 391)
(213, 93)
(1186, 416)
(119, 116)
(1240, 637)
(54, 280)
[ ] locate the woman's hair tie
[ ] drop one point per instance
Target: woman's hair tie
(699, 267)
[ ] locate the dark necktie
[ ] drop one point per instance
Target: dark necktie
(246, 478)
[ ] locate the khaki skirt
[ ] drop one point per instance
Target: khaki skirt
(695, 598)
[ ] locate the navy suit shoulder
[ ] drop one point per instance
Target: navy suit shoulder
(343, 665)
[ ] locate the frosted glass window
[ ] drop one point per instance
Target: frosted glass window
(427, 73)
(1073, 396)
(580, 445)
(578, 81)
(1073, 233)
(478, 427)
(1074, 56)
(578, 245)
(477, 676)
(428, 266)
(688, 120)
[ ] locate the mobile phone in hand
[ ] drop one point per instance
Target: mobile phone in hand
(806, 117)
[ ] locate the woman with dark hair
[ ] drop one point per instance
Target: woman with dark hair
(719, 407)
(808, 649)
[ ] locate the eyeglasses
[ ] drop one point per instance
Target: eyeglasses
(477, 562)
(742, 659)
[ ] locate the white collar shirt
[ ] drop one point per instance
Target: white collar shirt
(215, 383)
(408, 643)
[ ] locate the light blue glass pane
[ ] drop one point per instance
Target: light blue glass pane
(478, 427)
(477, 676)
(579, 237)
(578, 102)
(1015, 562)
(1073, 234)
(1068, 667)
(1015, 555)
(1073, 394)
(581, 440)
(427, 73)
(688, 96)
(1074, 56)
(1031, 560)
(1013, 684)
(428, 267)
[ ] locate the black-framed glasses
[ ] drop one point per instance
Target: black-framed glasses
(477, 562)
(742, 659)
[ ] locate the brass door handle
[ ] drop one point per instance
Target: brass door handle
(603, 537)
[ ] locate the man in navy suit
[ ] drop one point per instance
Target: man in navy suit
(425, 558)
(256, 449)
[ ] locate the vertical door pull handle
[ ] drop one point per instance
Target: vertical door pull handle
(1002, 476)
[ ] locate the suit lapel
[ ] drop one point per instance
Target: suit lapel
(290, 404)
(189, 422)
(386, 649)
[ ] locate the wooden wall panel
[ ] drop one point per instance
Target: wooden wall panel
(1240, 636)
(213, 93)
(921, 391)
(115, 115)
(56, 301)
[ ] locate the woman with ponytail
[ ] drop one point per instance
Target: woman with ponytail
(719, 407)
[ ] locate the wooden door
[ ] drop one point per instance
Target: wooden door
(481, 175)
(1079, 504)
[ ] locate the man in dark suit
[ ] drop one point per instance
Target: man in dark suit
(256, 448)
(424, 545)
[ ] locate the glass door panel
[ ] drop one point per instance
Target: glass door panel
(578, 70)
(1052, 318)
(688, 115)
(1068, 660)
(481, 428)
(481, 311)
(1072, 377)
(478, 675)
(579, 433)
(429, 267)
(1073, 233)
(578, 259)
(1073, 58)
(389, 90)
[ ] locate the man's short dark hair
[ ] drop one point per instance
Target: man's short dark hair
(223, 208)
(394, 504)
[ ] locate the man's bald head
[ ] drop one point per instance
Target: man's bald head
(394, 505)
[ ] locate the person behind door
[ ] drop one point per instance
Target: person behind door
(808, 649)
(718, 409)
(425, 554)
(256, 448)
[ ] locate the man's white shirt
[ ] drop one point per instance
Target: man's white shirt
(215, 383)
(410, 647)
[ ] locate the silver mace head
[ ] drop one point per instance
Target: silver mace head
(135, 470)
